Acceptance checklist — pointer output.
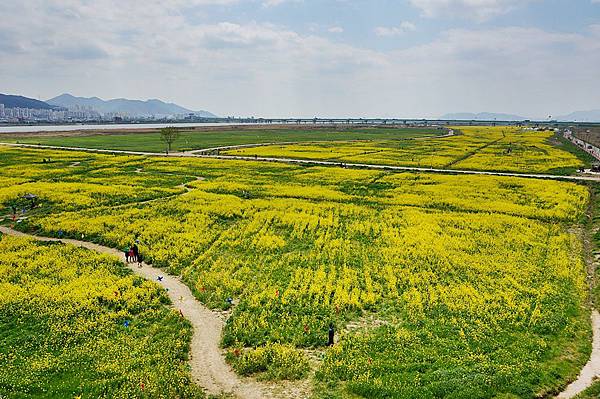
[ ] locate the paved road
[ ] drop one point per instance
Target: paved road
(310, 162)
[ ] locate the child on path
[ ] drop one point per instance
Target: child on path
(131, 257)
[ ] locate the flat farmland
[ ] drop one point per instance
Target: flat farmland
(506, 149)
(216, 137)
(436, 285)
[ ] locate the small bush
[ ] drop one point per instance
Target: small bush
(274, 361)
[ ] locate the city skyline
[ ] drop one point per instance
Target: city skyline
(414, 58)
(15, 109)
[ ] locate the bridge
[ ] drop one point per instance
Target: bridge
(392, 122)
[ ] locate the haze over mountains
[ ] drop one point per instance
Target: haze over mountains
(154, 107)
(135, 108)
(577, 116)
(582, 116)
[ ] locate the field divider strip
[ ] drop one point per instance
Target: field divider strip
(472, 153)
(310, 162)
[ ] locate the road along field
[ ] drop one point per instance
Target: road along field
(588, 134)
(436, 285)
(508, 149)
(209, 137)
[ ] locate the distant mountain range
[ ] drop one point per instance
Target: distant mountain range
(482, 116)
(133, 108)
(138, 108)
(11, 101)
(581, 116)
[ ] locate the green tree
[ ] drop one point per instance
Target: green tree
(169, 135)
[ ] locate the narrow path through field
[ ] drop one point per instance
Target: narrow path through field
(310, 162)
(405, 168)
(209, 369)
(472, 153)
(591, 371)
(255, 145)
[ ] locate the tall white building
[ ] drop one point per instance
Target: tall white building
(1, 110)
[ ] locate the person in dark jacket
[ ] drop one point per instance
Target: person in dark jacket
(136, 252)
(331, 335)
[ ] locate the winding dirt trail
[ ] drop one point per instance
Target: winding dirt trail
(209, 369)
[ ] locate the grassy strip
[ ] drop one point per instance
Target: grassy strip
(560, 142)
(151, 142)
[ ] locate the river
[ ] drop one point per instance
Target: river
(70, 128)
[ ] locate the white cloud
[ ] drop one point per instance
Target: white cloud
(275, 3)
(335, 29)
(520, 70)
(96, 48)
(476, 9)
(395, 30)
(253, 68)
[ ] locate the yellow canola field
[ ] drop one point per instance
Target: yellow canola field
(76, 324)
(480, 278)
(509, 149)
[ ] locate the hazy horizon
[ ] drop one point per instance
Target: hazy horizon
(271, 58)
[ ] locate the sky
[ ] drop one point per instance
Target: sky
(307, 58)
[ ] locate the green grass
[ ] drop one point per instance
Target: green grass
(592, 392)
(191, 140)
(560, 142)
(591, 223)
(271, 362)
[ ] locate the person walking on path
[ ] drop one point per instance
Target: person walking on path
(127, 249)
(136, 252)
